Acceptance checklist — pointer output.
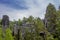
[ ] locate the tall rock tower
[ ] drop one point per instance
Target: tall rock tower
(59, 7)
(5, 22)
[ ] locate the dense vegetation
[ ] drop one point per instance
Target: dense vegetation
(32, 28)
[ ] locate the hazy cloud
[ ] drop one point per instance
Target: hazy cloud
(16, 9)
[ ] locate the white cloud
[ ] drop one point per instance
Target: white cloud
(36, 8)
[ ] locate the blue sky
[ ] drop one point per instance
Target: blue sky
(16, 9)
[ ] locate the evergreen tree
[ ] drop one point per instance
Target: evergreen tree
(30, 19)
(50, 18)
(39, 27)
(19, 22)
(27, 35)
(58, 24)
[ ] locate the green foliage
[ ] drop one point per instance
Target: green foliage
(8, 35)
(51, 17)
(49, 36)
(0, 23)
(30, 19)
(0, 26)
(28, 35)
(58, 25)
(11, 25)
(21, 38)
(39, 25)
(1, 34)
(19, 22)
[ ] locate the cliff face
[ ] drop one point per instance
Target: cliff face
(5, 22)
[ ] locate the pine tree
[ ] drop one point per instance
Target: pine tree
(58, 24)
(39, 27)
(50, 18)
(19, 22)
(27, 35)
